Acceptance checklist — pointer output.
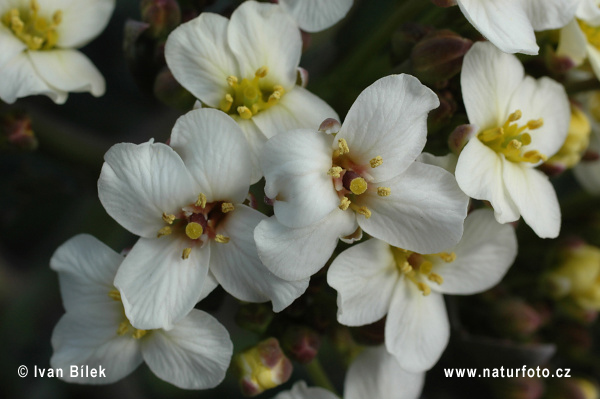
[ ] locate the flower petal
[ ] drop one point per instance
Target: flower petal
(239, 270)
(86, 269)
(296, 254)
(264, 35)
(535, 197)
(587, 173)
(488, 79)
(81, 20)
(589, 11)
(199, 57)
(298, 108)
(594, 58)
(195, 354)
(389, 119)
(215, 153)
(417, 329)
(140, 182)
(301, 391)
(479, 174)
(550, 14)
(316, 15)
(365, 277)
(483, 256)
(256, 141)
(424, 212)
(68, 70)
(91, 339)
(572, 43)
(157, 286)
(11, 46)
(447, 162)
(376, 374)
(295, 165)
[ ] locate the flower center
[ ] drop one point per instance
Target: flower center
(248, 97)
(510, 138)
(592, 33)
(37, 32)
(416, 267)
(197, 223)
(125, 326)
(351, 179)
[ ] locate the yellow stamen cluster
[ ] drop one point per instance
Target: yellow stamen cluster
(592, 33)
(37, 32)
(343, 147)
(510, 138)
(125, 326)
(415, 267)
(249, 97)
(335, 171)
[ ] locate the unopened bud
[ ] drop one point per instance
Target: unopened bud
(516, 318)
(301, 343)
(162, 15)
(439, 117)
(444, 3)
(574, 388)
(460, 137)
(254, 317)
(170, 92)
(262, 367)
(519, 388)
(439, 55)
(405, 38)
(15, 129)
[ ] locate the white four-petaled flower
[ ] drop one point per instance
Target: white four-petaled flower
(95, 332)
(185, 201)
(39, 39)
(316, 15)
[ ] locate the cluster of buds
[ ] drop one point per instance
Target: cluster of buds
(16, 131)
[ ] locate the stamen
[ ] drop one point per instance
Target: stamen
(244, 112)
(114, 294)
(535, 124)
(343, 147)
(227, 207)
(226, 103)
(194, 230)
(515, 116)
(436, 278)
(335, 171)
(363, 210)
(137, 334)
(201, 201)
(447, 257)
(221, 239)
(384, 191)
(516, 144)
(344, 203)
(232, 81)
(424, 288)
(279, 89)
(186, 253)
(261, 72)
(123, 328)
(406, 268)
(377, 161)
(165, 231)
(57, 17)
(168, 218)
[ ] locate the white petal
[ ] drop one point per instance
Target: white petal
(264, 35)
(483, 256)
(535, 197)
(594, 58)
(488, 79)
(589, 11)
(68, 70)
(209, 286)
(138, 183)
(81, 20)
(376, 374)
(296, 254)
(424, 212)
(546, 99)
(199, 57)
(447, 162)
(588, 172)
(157, 286)
(20, 79)
(316, 15)
(504, 23)
(298, 108)
(256, 141)
(572, 43)
(91, 339)
(389, 119)
(295, 165)
(86, 269)
(215, 153)
(239, 270)
(11, 46)
(550, 14)
(479, 174)
(301, 391)
(364, 277)
(195, 354)
(417, 329)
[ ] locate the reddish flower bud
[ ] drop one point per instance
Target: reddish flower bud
(439, 55)
(162, 15)
(301, 343)
(15, 128)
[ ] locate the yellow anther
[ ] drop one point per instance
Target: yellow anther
(165, 231)
(227, 207)
(335, 172)
(226, 103)
(515, 116)
(535, 124)
(377, 161)
(436, 278)
(221, 239)
(194, 230)
(344, 203)
(343, 147)
(447, 257)
(137, 334)
(384, 191)
(516, 144)
(123, 328)
(244, 112)
(114, 294)
(186, 253)
(491, 134)
(406, 267)
(424, 288)
(274, 97)
(261, 72)
(232, 81)
(57, 17)
(279, 89)
(168, 218)
(534, 156)
(363, 210)
(201, 202)
(35, 6)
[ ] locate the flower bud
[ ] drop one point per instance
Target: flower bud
(516, 318)
(405, 38)
(439, 56)
(444, 3)
(301, 343)
(262, 367)
(15, 129)
(370, 334)
(162, 15)
(168, 90)
(574, 388)
(460, 136)
(519, 388)
(576, 143)
(254, 317)
(439, 117)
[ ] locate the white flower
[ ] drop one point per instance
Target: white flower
(194, 354)
(185, 202)
(510, 24)
(324, 186)
(521, 122)
(587, 171)
(39, 39)
(374, 279)
(316, 15)
(301, 391)
(247, 67)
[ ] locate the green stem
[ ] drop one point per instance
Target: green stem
(319, 376)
